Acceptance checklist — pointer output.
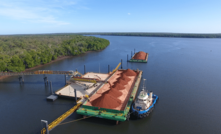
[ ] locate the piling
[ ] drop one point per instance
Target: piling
(65, 77)
(127, 57)
(75, 94)
(131, 54)
(53, 96)
(134, 51)
(121, 64)
(23, 80)
(51, 88)
(46, 125)
(46, 80)
(19, 78)
(84, 69)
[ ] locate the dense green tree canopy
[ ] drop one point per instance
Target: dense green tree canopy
(26, 51)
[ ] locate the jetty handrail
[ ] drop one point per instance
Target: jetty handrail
(36, 73)
(116, 68)
(61, 118)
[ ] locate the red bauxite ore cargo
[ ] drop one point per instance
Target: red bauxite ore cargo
(114, 95)
(140, 56)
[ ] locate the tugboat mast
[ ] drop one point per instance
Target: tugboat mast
(144, 88)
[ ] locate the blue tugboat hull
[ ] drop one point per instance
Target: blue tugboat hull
(146, 112)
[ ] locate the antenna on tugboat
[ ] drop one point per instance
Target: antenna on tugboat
(143, 84)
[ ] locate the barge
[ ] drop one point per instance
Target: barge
(141, 57)
(114, 98)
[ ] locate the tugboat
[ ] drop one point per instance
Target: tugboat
(144, 104)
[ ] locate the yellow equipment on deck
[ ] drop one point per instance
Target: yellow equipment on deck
(84, 79)
(116, 68)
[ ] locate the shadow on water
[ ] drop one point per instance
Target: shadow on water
(100, 121)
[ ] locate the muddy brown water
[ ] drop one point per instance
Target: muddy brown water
(185, 73)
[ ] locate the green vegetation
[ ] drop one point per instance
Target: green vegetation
(25, 51)
(179, 35)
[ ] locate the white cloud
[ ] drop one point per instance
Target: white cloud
(38, 11)
(25, 15)
(128, 13)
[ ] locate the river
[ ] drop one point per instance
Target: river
(184, 72)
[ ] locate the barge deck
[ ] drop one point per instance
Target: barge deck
(99, 106)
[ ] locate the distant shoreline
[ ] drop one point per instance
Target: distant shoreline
(141, 34)
(175, 35)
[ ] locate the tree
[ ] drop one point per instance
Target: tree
(16, 64)
(29, 61)
(3, 65)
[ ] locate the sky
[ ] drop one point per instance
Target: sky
(73, 16)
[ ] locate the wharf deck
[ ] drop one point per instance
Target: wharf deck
(82, 88)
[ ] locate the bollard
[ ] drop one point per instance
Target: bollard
(75, 94)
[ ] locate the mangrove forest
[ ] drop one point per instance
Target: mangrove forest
(18, 52)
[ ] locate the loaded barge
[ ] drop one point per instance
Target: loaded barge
(113, 99)
(139, 57)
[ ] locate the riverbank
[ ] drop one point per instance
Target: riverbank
(38, 66)
(58, 59)
(41, 49)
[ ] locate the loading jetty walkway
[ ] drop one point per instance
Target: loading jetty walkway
(39, 72)
(36, 73)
